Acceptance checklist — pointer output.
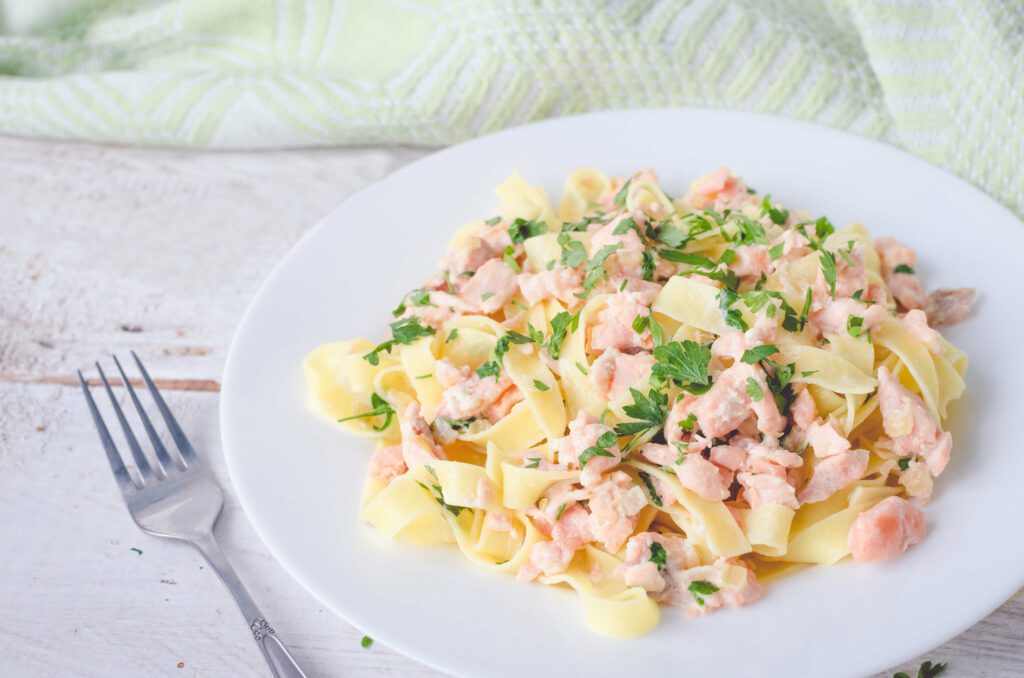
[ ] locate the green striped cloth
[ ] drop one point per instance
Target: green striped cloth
(941, 78)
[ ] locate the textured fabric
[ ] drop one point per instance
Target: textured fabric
(943, 78)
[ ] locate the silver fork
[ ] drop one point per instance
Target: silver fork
(178, 498)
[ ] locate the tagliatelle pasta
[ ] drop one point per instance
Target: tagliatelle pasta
(655, 401)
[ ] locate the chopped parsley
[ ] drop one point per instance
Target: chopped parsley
(521, 229)
(582, 368)
(647, 266)
(855, 326)
(561, 510)
(620, 197)
(685, 363)
(452, 335)
(701, 588)
(668, 234)
(367, 641)
(733, 316)
(491, 368)
(598, 449)
(651, 489)
(659, 556)
(509, 257)
(625, 226)
(775, 252)
(828, 269)
(595, 270)
(573, 252)
(749, 232)
(647, 411)
(439, 496)
(847, 258)
(689, 422)
(404, 331)
(903, 268)
(778, 217)
(904, 463)
(802, 321)
(561, 324)
(926, 670)
(533, 462)
(540, 385)
(381, 408)
(753, 355)
(486, 295)
(754, 390)
(582, 224)
(691, 259)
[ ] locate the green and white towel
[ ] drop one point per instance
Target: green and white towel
(941, 78)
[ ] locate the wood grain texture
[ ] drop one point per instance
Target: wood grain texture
(108, 249)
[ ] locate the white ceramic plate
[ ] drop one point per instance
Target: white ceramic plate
(299, 477)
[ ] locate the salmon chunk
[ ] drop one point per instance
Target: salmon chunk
(615, 372)
(886, 530)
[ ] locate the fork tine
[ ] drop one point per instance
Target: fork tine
(161, 452)
(145, 470)
(187, 451)
(124, 481)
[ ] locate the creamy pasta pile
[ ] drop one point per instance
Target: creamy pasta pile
(654, 400)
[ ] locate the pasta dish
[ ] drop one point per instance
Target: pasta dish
(656, 401)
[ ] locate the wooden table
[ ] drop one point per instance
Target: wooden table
(107, 249)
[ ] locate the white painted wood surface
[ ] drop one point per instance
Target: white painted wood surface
(107, 249)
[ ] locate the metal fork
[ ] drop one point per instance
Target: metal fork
(178, 498)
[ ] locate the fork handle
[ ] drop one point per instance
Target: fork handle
(278, 658)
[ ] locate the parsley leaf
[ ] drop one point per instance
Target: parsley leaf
(509, 257)
(595, 270)
(592, 452)
(597, 450)
(582, 224)
(380, 408)
(903, 268)
(753, 355)
(560, 325)
(904, 463)
(647, 266)
(698, 260)
(404, 331)
(828, 269)
(777, 216)
(573, 252)
(540, 385)
(366, 642)
(647, 411)
(561, 510)
(926, 670)
(733, 317)
(754, 390)
(533, 462)
(749, 232)
(620, 197)
(624, 226)
(521, 229)
(651, 489)
(439, 496)
(776, 251)
(668, 234)
(854, 325)
(689, 422)
(491, 368)
(684, 362)
(451, 335)
(701, 588)
(658, 554)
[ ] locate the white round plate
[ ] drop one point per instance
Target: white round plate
(299, 476)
